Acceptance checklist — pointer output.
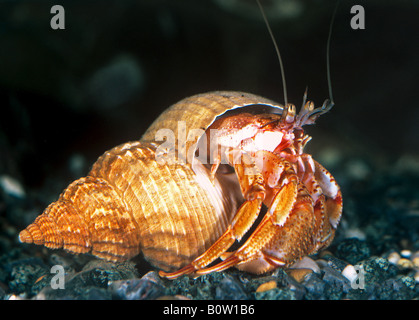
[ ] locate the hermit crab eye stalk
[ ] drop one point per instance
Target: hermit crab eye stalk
(288, 114)
(309, 114)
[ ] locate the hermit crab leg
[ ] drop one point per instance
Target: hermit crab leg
(322, 229)
(274, 253)
(242, 221)
(283, 204)
(327, 200)
(259, 238)
(331, 204)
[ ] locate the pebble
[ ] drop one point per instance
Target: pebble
(415, 258)
(315, 287)
(393, 257)
(405, 263)
(266, 286)
(11, 186)
(230, 288)
(175, 297)
(299, 274)
(377, 270)
(350, 273)
(406, 253)
(306, 263)
(335, 283)
(148, 287)
(352, 250)
(417, 276)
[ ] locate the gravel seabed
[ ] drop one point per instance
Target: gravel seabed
(375, 255)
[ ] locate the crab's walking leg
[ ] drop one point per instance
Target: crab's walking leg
(329, 206)
(280, 209)
(254, 192)
(290, 241)
(280, 178)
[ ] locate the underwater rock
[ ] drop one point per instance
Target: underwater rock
(27, 276)
(377, 269)
(352, 250)
(149, 287)
(315, 287)
(230, 289)
(91, 282)
(336, 285)
(401, 288)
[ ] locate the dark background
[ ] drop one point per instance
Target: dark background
(66, 96)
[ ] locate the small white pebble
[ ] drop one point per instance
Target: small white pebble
(417, 277)
(406, 253)
(393, 257)
(350, 273)
(11, 186)
(306, 263)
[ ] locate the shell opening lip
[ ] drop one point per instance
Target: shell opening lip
(254, 108)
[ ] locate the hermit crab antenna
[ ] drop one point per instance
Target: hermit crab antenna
(309, 116)
(284, 85)
(329, 80)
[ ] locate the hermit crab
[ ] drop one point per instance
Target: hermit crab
(164, 199)
(212, 170)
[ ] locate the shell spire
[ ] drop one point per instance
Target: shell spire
(59, 226)
(88, 217)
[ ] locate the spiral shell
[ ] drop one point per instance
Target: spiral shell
(129, 203)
